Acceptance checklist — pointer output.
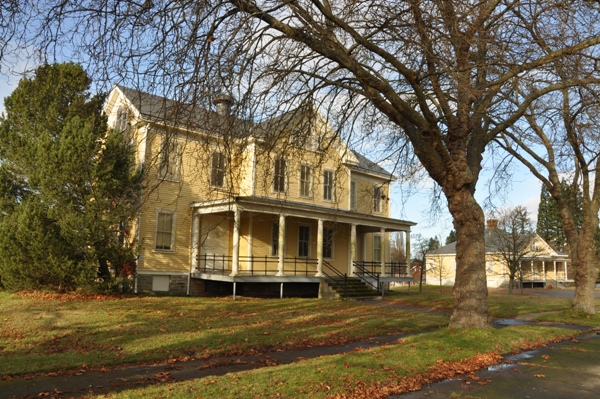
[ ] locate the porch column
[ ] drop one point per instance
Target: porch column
(407, 252)
(382, 250)
(565, 263)
(235, 261)
(352, 249)
(250, 263)
(319, 248)
(281, 245)
(195, 240)
(555, 277)
(544, 269)
(532, 275)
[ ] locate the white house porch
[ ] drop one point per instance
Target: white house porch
(262, 240)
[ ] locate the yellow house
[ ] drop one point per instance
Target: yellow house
(541, 265)
(282, 207)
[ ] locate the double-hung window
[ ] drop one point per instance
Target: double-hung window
(217, 174)
(170, 159)
(274, 239)
(377, 199)
(377, 248)
(306, 173)
(303, 241)
(165, 231)
(279, 174)
(328, 185)
(327, 243)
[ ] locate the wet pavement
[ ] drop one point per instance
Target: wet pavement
(565, 370)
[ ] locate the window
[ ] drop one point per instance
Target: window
(170, 159)
(122, 119)
(306, 181)
(534, 246)
(165, 224)
(275, 239)
(217, 174)
(377, 199)
(376, 248)
(328, 185)
(353, 194)
(327, 243)
(303, 241)
(279, 175)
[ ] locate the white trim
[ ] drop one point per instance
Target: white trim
(173, 229)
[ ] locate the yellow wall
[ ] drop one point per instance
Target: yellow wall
(245, 161)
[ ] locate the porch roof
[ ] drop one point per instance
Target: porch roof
(299, 209)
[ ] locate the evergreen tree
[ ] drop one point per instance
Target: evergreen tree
(451, 237)
(67, 191)
(549, 224)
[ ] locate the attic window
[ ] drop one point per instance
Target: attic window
(122, 119)
(534, 246)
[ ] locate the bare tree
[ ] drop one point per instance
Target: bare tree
(435, 79)
(421, 246)
(559, 141)
(437, 268)
(510, 241)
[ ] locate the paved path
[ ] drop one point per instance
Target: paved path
(560, 371)
(116, 380)
(82, 383)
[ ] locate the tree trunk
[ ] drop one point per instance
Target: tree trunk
(586, 272)
(511, 282)
(470, 287)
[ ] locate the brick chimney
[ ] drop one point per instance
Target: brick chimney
(492, 223)
(223, 102)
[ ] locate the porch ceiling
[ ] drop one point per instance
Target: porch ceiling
(368, 223)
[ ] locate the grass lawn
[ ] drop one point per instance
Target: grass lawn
(42, 333)
(500, 304)
(375, 373)
(47, 333)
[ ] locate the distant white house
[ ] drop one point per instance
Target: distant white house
(543, 268)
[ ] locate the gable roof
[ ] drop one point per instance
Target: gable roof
(450, 249)
(158, 109)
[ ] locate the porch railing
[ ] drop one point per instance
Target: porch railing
(369, 277)
(392, 269)
(256, 265)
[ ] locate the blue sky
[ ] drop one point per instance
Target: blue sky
(523, 189)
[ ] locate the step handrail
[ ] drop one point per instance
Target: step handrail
(374, 276)
(343, 276)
